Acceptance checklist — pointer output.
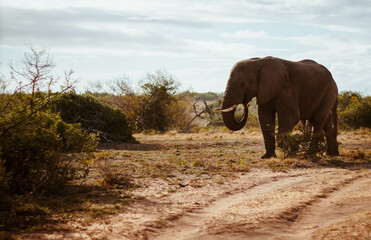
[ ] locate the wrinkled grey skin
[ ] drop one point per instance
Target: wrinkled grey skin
(303, 90)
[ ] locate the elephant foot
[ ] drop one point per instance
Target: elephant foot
(269, 155)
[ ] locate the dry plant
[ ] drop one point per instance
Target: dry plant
(110, 176)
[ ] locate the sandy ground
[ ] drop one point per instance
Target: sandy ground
(311, 204)
(314, 203)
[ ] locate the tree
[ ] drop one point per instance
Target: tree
(126, 99)
(158, 93)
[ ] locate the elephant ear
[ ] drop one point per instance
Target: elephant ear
(272, 77)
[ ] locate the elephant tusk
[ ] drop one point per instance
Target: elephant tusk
(229, 109)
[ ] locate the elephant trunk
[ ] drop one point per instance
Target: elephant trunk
(229, 119)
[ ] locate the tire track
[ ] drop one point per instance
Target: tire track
(191, 225)
(313, 202)
(347, 199)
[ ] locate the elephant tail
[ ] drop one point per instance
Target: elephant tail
(335, 116)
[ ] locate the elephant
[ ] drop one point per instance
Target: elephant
(296, 91)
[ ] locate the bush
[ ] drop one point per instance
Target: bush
(354, 110)
(94, 116)
(158, 107)
(357, 115)
(159, 90)
(346, 98)
(299, 143)
(36, 153)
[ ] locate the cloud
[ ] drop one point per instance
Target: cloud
(246, 34)
(195, 35)
(87, 26)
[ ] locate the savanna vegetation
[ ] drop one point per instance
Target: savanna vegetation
(354, 110)
(49, 140)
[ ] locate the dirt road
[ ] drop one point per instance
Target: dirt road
(261, 204)
(301, 205)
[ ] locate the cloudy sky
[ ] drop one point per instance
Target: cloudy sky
(197, 41)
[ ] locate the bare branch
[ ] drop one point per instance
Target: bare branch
(33, 77)
(35, 68)
(95, 87)
(69, 81)
(121, 86)
(199, 115)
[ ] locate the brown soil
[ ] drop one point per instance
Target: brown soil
(271, 199)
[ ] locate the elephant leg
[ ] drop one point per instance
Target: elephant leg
(317, 135)
(321, 117)
(267, 115)
(332, 144)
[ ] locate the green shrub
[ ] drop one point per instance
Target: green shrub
(159, 94)
(346, 98)
(354, 110)
(357, 115)
(37, 153)
(94, 116)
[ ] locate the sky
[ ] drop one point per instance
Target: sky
(196, 41)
